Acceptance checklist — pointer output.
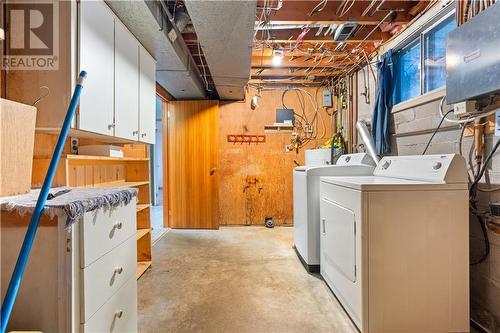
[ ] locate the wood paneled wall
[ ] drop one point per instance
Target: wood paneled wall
(256, 180)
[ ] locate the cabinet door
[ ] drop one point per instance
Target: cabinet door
(96, 48)
(126, 83)
(147, 96)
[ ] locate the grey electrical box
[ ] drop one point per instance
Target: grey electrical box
(327, 99)
(473, 57)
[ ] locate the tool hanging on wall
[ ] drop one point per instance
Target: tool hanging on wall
(22, 260)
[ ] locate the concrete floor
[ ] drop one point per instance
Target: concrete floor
(236, 279)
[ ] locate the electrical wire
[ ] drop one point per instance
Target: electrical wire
(435, 131)
(462, 121)
(473, 206)
(319, 7)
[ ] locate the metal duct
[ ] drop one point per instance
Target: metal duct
(367, 140)
(181, 21)
(225, 31)
(175, 68)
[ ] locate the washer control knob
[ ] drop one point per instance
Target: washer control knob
(386, 164)
(347, 159)
(437, 165)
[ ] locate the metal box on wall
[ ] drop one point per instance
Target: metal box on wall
(473, 57)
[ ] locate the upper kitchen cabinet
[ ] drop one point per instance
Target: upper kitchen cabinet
(126, 83)
(118, 98)
(147, 96)
(96, 52)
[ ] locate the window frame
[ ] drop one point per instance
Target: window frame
(419, 36)
(423, 33)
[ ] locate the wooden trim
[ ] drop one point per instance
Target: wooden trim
(165, 95)
(166, 184)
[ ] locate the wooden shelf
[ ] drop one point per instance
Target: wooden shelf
(121, 184)
(71, 157)
(142, 232)
(278, 128)
(142, 266)
(142, 207)
(90, 171)
(104, 158)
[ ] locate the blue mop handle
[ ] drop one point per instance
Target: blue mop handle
(17, 275)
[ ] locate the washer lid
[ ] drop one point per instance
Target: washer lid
(376, 183)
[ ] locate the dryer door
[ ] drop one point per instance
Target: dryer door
(338, 228)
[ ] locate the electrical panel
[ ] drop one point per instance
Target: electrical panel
(327, 99)
(472, 58)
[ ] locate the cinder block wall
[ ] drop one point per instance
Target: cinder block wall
(411, 129)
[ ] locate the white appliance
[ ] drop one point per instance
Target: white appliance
(306, 202)
(395, 245)
(316, 157)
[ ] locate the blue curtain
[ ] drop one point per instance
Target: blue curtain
(383, 104)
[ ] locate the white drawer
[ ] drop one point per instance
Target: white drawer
(103, 230)
(119, 314)
(103, 278)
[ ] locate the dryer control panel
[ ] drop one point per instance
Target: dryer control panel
(443, 169)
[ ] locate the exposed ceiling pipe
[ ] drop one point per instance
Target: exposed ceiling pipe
(278, 7)
(368, 8)
(286, 26)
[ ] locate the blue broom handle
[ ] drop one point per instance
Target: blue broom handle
(17, 275)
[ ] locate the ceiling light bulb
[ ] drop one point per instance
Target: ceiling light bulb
(277, 57)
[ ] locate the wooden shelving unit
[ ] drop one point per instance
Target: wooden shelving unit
(276, 128)
(101, 171)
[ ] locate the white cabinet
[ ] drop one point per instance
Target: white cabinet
(120, 92)
(126, 83)
(78, 281)
(147, 97)
(96, 51)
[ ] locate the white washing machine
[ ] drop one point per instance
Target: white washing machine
(317, 157)
(395, 245)
(306, 202)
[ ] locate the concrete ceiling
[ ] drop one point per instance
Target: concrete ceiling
(225, 31)
(175, 70)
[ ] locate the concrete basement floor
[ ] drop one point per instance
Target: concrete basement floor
(236, 279)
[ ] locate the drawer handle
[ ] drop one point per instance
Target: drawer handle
(119, 313)
(119, 270)
(118, 225)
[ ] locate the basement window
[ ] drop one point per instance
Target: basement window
(419, 65)
(435, 54)
(407, 72)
